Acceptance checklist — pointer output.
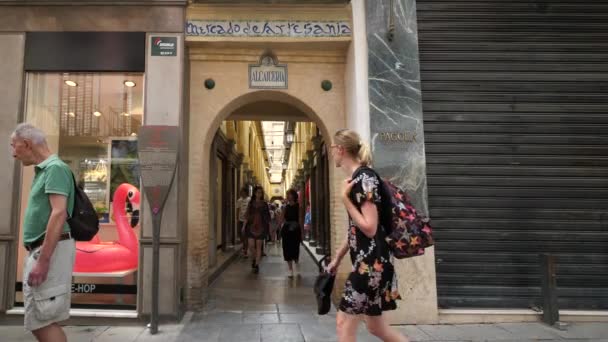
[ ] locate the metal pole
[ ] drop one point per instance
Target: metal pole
(549, 289)
(155, 272)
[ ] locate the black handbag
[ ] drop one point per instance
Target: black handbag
(324, 284)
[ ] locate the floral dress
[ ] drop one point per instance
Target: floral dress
(372, 285)
(258, 223)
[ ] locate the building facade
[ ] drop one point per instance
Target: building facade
(491, 115)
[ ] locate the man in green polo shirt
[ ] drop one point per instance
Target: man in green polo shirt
(47, 271)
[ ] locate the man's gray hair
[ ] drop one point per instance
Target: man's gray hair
(31, 133)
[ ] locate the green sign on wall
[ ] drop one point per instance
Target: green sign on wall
(164, 46)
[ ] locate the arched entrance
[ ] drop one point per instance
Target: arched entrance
(231, 98)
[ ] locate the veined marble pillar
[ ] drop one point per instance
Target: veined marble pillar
(397, 137)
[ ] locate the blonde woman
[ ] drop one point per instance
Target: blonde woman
(371, 286)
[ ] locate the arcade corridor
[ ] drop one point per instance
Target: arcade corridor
(265, 307)
(268, 306)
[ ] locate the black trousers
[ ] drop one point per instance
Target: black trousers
(292, 237)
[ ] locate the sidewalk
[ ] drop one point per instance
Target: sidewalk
(270, 307)
(320, 332)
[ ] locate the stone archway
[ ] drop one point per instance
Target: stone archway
(209, 107)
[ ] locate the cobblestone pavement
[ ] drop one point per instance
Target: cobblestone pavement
(271, 307)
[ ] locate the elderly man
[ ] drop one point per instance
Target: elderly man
(47, 273)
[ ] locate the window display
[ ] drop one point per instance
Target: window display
(92, 121)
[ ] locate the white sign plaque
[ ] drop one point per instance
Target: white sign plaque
(268, 74)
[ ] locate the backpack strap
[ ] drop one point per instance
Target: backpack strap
(74, 189)
(385, 212)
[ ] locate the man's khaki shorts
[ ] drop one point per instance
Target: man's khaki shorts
(50, 302)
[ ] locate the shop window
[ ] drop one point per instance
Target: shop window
(92, 121)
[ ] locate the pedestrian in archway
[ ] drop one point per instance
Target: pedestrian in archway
(291, 232)
(371, 287)
(256, 225)
(274, 223)
(241, 204)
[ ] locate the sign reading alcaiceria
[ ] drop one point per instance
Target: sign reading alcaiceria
(264, 28)
(268, 74)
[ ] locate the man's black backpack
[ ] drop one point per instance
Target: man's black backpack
(84, 223)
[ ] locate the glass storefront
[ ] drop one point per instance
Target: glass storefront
(92, 121)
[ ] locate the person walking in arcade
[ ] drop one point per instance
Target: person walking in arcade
(256, 226)
(371, 287)
(291, 233)
(242, 204)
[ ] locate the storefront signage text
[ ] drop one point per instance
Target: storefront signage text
(164, 46)
(104, 288)
(396, 137)
(268, 74)
(118, 289)
(257, 28)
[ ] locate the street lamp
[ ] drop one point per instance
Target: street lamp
(289, 137)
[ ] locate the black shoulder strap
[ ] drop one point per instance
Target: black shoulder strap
(385, 209)
(75, 191)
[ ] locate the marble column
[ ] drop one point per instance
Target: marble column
(397, 137)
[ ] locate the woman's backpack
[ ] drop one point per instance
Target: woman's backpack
(410, 233)
(407, 232)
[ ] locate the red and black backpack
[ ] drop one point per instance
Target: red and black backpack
(407, 232)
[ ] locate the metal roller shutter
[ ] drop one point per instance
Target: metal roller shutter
(516, 126)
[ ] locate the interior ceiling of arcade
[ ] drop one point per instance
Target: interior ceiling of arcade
(269, 111)
(279, 133)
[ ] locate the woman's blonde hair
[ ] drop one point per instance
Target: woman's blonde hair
(351, 141)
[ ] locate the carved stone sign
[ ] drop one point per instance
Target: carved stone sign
(157, 160)
(268, 74)
(268, 28)
(398, 137)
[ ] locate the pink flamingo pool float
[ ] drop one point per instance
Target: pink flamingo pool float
(98, 256)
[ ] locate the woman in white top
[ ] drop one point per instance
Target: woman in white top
(241, 204)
